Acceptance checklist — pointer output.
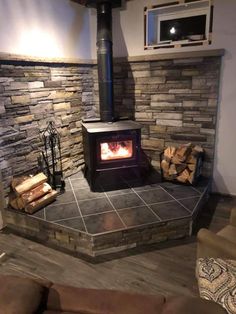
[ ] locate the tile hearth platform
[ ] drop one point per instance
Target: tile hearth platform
(120, 215)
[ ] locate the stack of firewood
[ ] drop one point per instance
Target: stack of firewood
(181, 163)
(31, 193)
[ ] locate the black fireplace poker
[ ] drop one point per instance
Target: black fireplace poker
(104, 59)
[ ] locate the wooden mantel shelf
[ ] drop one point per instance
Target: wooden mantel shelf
(149, 57)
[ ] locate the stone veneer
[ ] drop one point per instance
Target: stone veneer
(31, 95)
(175, 99)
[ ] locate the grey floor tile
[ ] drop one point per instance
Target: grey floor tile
(147, 187)
(74, 223)
(79, 183)
(155, 196)
(137, 216)
(103, 223)
(66, 197)
(77, 175)
(94, 206)
(61, 211)
(181, 191)
(170, 210)
(190, 203)
(126, 201)
(119, 192)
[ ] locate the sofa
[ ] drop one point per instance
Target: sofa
(27, 296)
(221, 244)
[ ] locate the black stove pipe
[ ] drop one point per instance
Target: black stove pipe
(105, 62)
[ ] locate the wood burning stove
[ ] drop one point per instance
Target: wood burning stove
(109, 143)
(110, 146)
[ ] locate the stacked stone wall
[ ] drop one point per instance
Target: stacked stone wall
(31, 95)
(175, 101)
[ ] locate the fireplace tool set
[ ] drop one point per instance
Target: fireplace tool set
(50, 161)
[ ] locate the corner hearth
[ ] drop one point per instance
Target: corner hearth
(113, 219)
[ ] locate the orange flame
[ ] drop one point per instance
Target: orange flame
(116, 150)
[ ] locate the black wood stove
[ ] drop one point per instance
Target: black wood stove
(110, 146)
(109, 143)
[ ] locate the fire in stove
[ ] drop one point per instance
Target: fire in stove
(116, 150)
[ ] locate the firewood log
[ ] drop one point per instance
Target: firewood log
(41, 202)
(36, 193)
(172, 170)
(192, 159)
(30, 183)
(191, 177)
(169, 152)
(176, 160)
(165, 165)
(183, 177)
(18, 180)
(180, 167)
(182, 152)
(192, 167)
(198, 149)
(16, 202)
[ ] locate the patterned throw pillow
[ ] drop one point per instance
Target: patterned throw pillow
(217, 281)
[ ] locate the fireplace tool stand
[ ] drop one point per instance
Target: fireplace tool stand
(50, 160)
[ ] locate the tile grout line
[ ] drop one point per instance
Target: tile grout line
(177, 200)
(63, 219)
(79, 210)
(144, 202)
(115, 210)
(196, 190)
(200, 198)
(160, 219)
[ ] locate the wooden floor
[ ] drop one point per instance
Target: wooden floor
(169, 270)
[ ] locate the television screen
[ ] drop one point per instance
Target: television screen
(191, 28)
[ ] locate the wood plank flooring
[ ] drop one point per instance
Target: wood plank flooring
(162, 269)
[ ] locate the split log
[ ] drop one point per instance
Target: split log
(198, 149)
(16, 202)
(36, 193)
(169, 152)
(30, 183)
(172, 170)
(183, 151)
(41, 202)
(191, 177)
(183, 177)
(176, 160)
(165, 165)
(180, 168)
(192, 159)
(18, 180)
(192, 167)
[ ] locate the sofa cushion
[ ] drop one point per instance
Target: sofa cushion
(20, 295)
(81, 300)
(217, 281)
(229, 233)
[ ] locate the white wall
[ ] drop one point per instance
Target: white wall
(128, 39)
(44, 28)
